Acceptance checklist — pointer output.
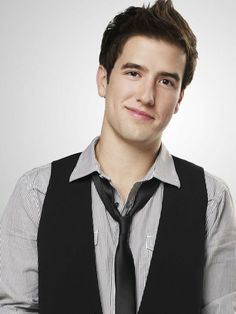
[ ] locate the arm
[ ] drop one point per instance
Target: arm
(219, 290)
(18, 247)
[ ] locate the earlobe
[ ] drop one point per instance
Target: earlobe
(101, 81)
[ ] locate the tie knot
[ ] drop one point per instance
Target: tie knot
(124, 223)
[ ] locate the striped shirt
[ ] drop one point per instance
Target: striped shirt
(19, 226)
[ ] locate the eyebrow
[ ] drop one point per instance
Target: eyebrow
(130, 65)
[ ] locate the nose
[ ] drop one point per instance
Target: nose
(146, 93)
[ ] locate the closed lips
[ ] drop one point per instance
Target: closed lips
(139, 112)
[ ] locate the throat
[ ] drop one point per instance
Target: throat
(124, 164)
(123, 188)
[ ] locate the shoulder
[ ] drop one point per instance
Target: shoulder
(221, 215)
(214, 184)
(24, 206)
(35, 179)
(220, 207)
(38, 178)
(190, 174)
(217, 189)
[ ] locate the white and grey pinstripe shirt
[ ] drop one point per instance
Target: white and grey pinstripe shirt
(19, 226)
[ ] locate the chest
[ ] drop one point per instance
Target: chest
(67, 263)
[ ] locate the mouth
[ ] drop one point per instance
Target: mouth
(139, 114)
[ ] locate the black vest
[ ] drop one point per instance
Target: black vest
(66, 255)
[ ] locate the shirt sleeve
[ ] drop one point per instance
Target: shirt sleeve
(18, 247)
(219, 285)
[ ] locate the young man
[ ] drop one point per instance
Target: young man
(124, 227)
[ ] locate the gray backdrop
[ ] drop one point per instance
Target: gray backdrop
(48, 99)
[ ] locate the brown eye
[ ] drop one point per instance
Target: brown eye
(166, 82)
(133, 73)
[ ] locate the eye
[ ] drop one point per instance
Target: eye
(133, 74)
(166, 82)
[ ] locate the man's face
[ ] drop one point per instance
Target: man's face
(144, 90)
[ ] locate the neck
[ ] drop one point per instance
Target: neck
(124, 162)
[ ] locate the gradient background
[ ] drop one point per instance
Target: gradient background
(49, 106)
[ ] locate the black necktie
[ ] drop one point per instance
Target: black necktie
(125, 302)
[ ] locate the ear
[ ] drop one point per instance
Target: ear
(101, 81)
(181, 96)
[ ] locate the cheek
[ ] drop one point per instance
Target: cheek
(119, 95)
(166, 104)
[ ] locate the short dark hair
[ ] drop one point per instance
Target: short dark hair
(159, 21)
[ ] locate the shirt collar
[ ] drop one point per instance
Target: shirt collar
(87, 162)
(162, 169)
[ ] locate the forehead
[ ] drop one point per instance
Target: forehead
(155, 54)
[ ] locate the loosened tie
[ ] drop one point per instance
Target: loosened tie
(125, 300)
